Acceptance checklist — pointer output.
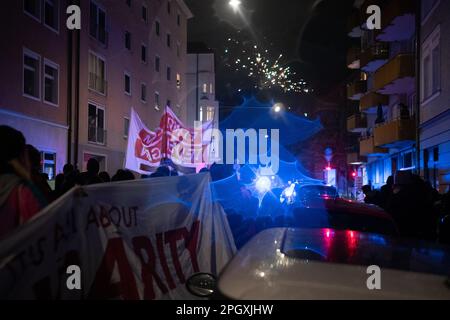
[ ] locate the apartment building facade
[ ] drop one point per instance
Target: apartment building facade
(71, 92)
(384, 87)
(134, 56)
(435, 93)
(33, 82)
(201, 82)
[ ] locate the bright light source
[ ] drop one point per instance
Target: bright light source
(235, 4)
(354, 174)
(277, 107)
(263, 184)
(328, 168)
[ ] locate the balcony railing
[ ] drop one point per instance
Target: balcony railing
(353, 58)
(97, 135)
(97, 83)
(396, 76)
(370, 102)
(397, 21)
(353, 158)
(367, 147)
(356, 123)
(356, 89)
(396, 133)
(374, 57)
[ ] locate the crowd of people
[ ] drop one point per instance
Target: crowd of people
(417, 208)
(24, 188)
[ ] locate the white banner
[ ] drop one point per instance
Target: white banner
(187, 147)
(131, 240)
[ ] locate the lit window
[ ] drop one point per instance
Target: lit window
(178, 81)
(48, 164)
(210, 113)
(97, 74)
(205, 88)
(201, 114)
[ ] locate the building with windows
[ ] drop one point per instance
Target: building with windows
(33, 82)
(435, 93)
(201, 85)
(71, 92)
(384, 91)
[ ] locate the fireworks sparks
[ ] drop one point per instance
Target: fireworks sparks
(257, 65)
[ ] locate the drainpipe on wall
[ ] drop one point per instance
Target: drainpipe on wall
(418, 49)
(69, 94)
(197, 90)
(77, 93)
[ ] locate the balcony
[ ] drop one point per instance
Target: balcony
(353, 58)
(397, 21)
(396, 76)
(357, 123)
(354, 24)
(367, 148)
(353, 158)
(395, 134)
(356, 90)
(370, 102)
(374, 57)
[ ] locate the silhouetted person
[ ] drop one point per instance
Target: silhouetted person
(91, 175)
(104, 176)
(386, 193)
(162, 171)
(371, 196)
(123, 175)
(38, 178)
(411, 208)
(19, 198)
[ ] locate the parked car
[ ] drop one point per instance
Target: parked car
(310, 264)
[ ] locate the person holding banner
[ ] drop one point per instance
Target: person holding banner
(19, 199)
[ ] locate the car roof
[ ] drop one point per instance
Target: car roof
(330, 264)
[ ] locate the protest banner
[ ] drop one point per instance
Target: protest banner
(173, 140)
(131, 240)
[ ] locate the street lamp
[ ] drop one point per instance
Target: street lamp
(235, 4)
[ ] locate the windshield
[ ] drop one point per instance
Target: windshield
(317, 192)
(356, 248)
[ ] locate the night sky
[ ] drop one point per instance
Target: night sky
(310, 34)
